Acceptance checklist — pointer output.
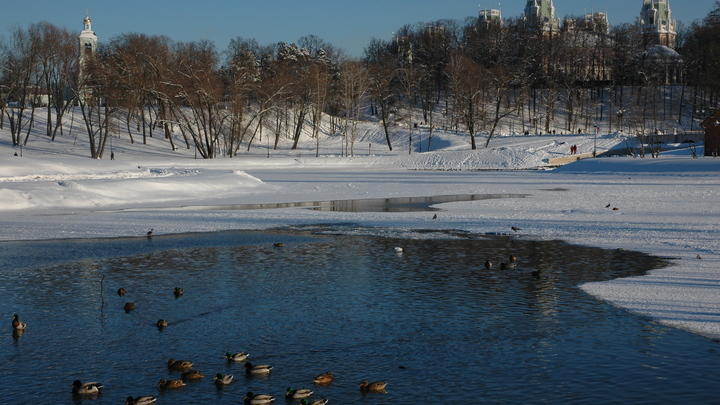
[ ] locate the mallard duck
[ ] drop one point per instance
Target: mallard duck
(305, 401)
(178, 292)
(241, 356)
(377, 386)
(488, 264)
(16, 324)
(259, 369)
(179, 364)
(537, 273)
(257, 399)
(170, 384)
(324, 378)
(149, 233)
(503, 266)
(121, 291)
(512, 258)
(192, 375)
(297, 394)
(515, 228)
(223, 379)
(91, 388)
(278, 244)
(129, 306)
(143, 400)
(161, 323)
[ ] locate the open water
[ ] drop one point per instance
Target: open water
(432, 321)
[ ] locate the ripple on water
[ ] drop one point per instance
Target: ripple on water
(433, 318)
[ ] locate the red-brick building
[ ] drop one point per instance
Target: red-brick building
(712, 134)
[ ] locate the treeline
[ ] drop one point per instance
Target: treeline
(469, 76)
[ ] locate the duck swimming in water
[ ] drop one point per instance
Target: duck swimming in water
(324, 378)
(192, 375)
(143, 400)
(305, 401)
(90, 388)
(378, 386)
(250, 369)
(223, 379)
(179, 364)
(292, 393)
(170, 384)
(241, 356)
(257, 399)
(16, 324)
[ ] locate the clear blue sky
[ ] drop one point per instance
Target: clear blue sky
(346, 24)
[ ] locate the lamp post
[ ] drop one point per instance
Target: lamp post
(536, 119)
(597, 130)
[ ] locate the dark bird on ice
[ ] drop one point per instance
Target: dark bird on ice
(515, 228)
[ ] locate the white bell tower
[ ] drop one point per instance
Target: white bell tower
(88, 43)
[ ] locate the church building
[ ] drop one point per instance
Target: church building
(657, 23)
(540, 14)
(88, 42)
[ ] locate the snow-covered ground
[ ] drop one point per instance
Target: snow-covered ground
(668, 206)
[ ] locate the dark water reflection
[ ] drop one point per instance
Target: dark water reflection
(432, 321)
(394, 204)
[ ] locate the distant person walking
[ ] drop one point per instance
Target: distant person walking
(112, 155)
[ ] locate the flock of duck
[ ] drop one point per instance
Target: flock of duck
(91, 390)
(512, 262)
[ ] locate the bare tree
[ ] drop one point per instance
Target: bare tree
(354, 85)
(380, 65)
(197, 92)
(468, 84)
(21, 75)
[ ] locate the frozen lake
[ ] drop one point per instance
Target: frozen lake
(432, 321)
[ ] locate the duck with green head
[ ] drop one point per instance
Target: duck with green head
(143, 400)
(259, 369)
(257, 399)
(240, 356)
(223, 379)
(293, 393)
